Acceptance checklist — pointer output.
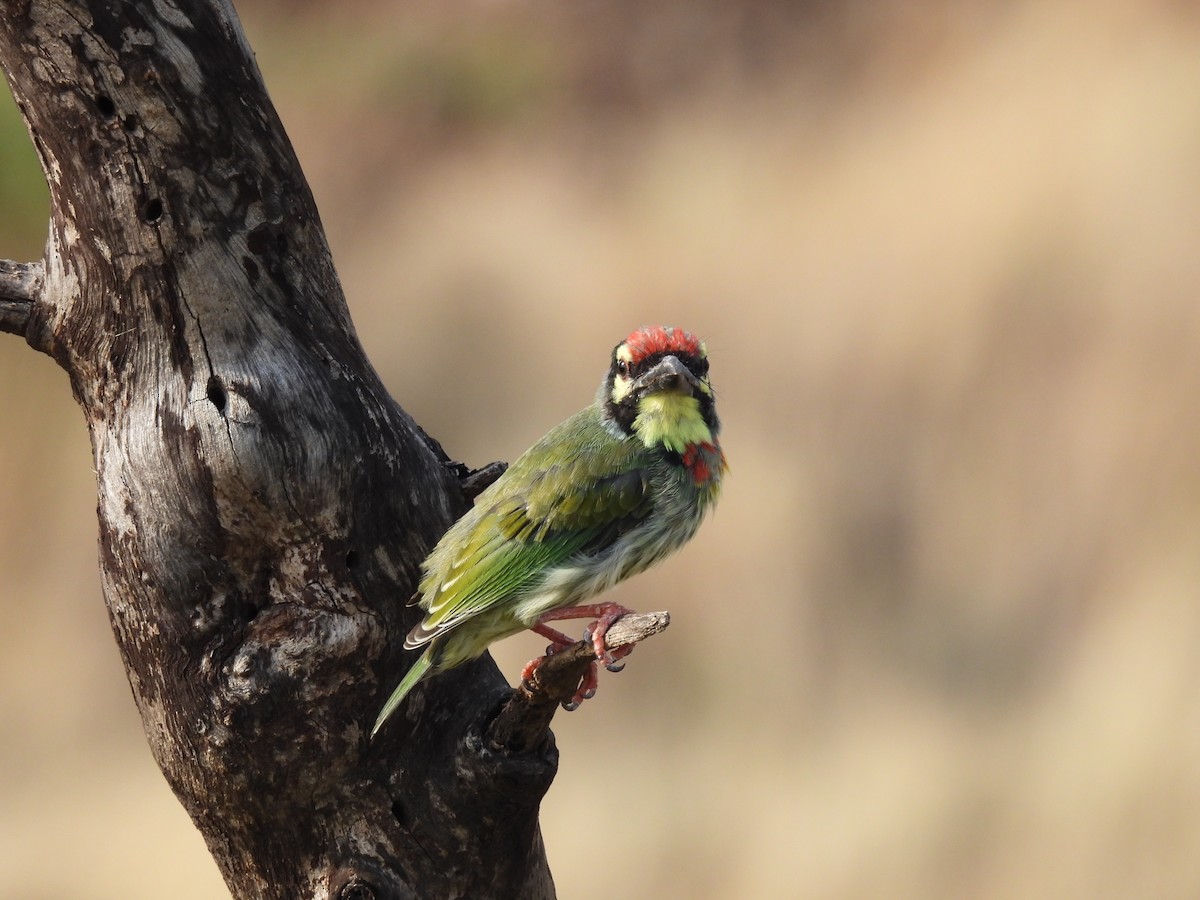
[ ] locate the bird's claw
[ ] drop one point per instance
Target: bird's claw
(612, 657)
(586, 690)
(577, 701)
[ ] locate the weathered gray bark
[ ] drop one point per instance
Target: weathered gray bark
(263, 503)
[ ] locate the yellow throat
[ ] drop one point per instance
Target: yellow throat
(672, 420)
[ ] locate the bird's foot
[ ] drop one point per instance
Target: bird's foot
(591, 678)
(527, 672)
(586, 690)
(607, 614)
(615, 654)
(587, 685)
(558, 643)
(604, 613)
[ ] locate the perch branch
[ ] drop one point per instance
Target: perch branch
(523, 721)
(19, 286)
(477, 480)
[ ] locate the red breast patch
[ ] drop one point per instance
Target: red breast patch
(699, 459)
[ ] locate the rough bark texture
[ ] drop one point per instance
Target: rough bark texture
(263, 503)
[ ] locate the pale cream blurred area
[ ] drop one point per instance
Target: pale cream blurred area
(941, 638)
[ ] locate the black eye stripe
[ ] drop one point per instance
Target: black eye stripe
(698, 365)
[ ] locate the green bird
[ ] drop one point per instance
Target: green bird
(605, 494)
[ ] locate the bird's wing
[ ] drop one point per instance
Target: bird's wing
(540, 515)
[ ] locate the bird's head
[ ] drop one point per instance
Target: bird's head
(657, 389)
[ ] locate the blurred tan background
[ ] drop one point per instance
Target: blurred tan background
(942, 637)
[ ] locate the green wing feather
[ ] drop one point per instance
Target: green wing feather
(574, 491)
(418, 671)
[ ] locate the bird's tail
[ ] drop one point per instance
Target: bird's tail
(418, 671)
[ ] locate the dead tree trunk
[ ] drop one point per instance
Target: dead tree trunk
(263, 503)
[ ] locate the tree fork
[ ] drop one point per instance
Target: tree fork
(263, 503)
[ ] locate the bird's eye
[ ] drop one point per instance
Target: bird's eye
(700, 366)
(622, 367)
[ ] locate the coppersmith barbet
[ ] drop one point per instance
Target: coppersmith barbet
(605, 494)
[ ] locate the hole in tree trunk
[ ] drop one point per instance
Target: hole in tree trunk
(152, 211)
(216, 394)
(106, 107)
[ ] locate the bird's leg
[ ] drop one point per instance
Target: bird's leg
(558, 640)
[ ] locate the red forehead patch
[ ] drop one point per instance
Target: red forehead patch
(659, 339)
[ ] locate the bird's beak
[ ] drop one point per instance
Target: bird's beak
(670, 375)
